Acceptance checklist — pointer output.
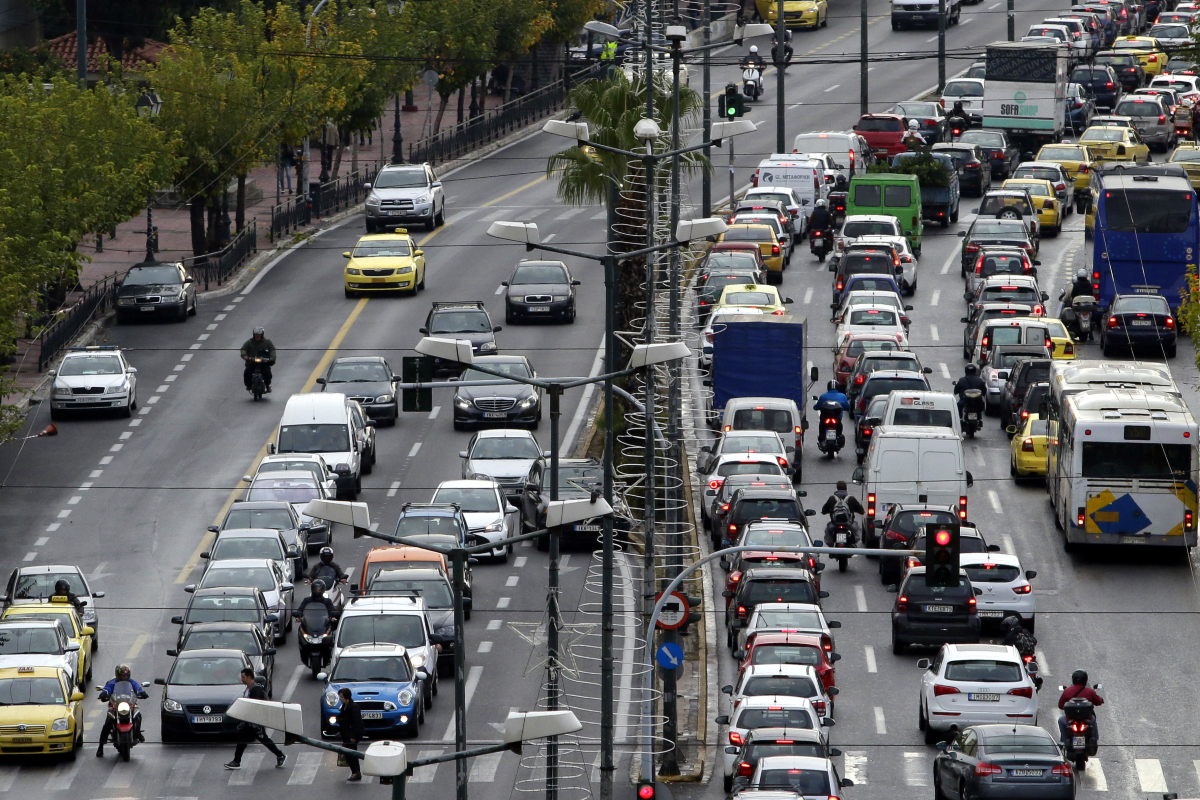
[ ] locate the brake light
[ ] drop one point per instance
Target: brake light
(983, 769)
(859, 379)
(972, 247)
(1170, 323)
(866, 431)
(1069, 349)
(839, 284)
(724, 506)
(1022, 691)
(715, 483)
(728, 428)
(941, 689)
(1083, 168)
(894, 536)
(1153, 60)
(798, 431)
(1026, 589)
(1112, 322)
(871, 505)
(962, 507)
(1108, 85)
(741, 612)
(971, 605)
(1027, 445)
(744, 770)
(732, 528)
(774, 249)
(735, 737)
(1038, 311)
(1079, 520)
(1162, 118)
(902, 603)
(782, 461)
(1189, 520)
(1061, 769)
(734, 577)
(1078, 34)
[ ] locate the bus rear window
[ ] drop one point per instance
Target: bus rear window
(1147, 211)
(1136, 460)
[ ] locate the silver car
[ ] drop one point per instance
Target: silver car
(405, 193)
(237, 544)
(511, 457)
(257, 573)
(490, 516)
(1000, 362)
(1151, 118)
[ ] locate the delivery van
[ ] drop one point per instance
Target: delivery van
(907, 465)
(921, 409)
(896, 195)
(807, 179)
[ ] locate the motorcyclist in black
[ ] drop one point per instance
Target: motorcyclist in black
(787, 49)
(820, 219)
(1016, 635)
(958, 119)
(752, 59)
(840, 496)
(317, 596)
(1081, 286)
(969, 381)
(258, 346)
(327, 563)
(62, 588)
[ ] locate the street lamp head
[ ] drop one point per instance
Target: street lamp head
(385, 759)
(523, 232)
(354, 515)
(689, 229)
(647, 130)
(569, 130)
(723, 130)
(676, 33)
(750, 31)
(286, 717)
(458, 350)
(566, 512)
(645, 355)
(522, 726)
(604, 29)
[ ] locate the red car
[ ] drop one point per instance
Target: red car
(854, 346)
(776, 647)
(884, 133)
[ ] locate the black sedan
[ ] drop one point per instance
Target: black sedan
(1138, 319)
(1101, 81)
(226, 604)
(201, 686)
(367, 379)
(974, 174)
(1002, 761)
(156, 290)
(1002, 154)
(244, 636)
(510, 403)
(1128, 69)
(540, 290)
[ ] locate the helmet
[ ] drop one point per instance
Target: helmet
(753, 49)
(1010, 623)
(822, 203)
(1079, 677)
(1081, 275)
(831, 386)
(122, 672)
(61, 586)
(972, 369)
(326, 555)
(258, 331)
(318, 587)
(912, 124)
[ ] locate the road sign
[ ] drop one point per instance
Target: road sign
(674, 613)
(670, 655)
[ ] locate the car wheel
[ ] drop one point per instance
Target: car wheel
(127, 411)
(897, 646)
(431, 223)
(182, 314)
(1170, 351)
(349, 293)
(56, 415)
(370, 227)
(441, 216)
(931, 736)
(195, 308)
(509, 317)
(421, 285)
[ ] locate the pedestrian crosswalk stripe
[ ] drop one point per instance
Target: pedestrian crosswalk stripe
(60, 779)
(307, 765)
(484, 768)
(600, 215)
(1150, 775)
(425, 774)
(245, 776)
(569, 214)
(185, 770)
(121, 776)
(916, 769)
(856, 767)
(1093, 777)
(8, 775)
(880, 722)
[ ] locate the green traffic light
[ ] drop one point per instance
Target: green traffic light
(731, 111)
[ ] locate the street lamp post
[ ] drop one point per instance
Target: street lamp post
(149, 104)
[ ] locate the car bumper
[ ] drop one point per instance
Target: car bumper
(361, 283)
(150, 309)
(936, 633)
(774, 263)
(548, 309)
(1018, 791)
(1023, 608)
(513, 416)
(1133, 336)
(380, 410)
(389, 216)
(82, 402)
(949, 716)
(479, 536)
(914, 16)
(1030, 464)
(180, 726)
(389, 722)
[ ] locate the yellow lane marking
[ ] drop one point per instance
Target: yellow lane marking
(135, 649)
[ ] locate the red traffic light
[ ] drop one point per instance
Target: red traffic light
(942, 537)
(646, 792)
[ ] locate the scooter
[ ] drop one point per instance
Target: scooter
(752, 83)
(316, 638)
(1031, 667)
(124, 714)
(1083, 307)
(820, 243)
(971, 412)
(841, 534)
(1081, 739)
(829, 439)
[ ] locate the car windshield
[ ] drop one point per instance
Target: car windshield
(786, 618)
(967, 544)
(759, 218)
(406, 630)
(871, 299)
(801, 781)
(505, 447)
(15, 641)
(1142, 305)
(243, 640)
(1063, 154)
(984, 671)
(232, 547)
(418, 524)
(391, 248)
(992, 573)
(875, 408)
(392, 669)
(67, 618)
(998, 229)
(539, 273)
(732, 259)
(885, 385)
(31, 692)
(152, 276)
(807, 655)
(859, 346)
(984, 138)
(1116, 134)
(460, 322)
(925, 417)
(872, 316)
(855, 228)
(469, 500)
(1009, 360)
(224, 609)
(749, 443)
(1116, 61)
(875, 364)
(763, 419)
(517, 369)
(1035, 189)
(789, 685)
(998, 264)
(770, 538)
(1186, 154)
(201, 671)
(273, 518)
(1007, 293)
(292, 490)
(879, 124)
(358, 372)
(435, 593)
(1086, 75)
(311, 467)
(401, 179)
(1039, 745)
(911, 521)
(748, 468)
(766, 508)
(917, 109)
(314, 439)
(1136, 459)
(773, 717)
(1169, 32)
(748, 299)
(91, 365)
(748, 233)
(963, 89)
(41, 585)
(254, 577)
(1148, 210)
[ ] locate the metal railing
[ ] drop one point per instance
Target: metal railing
(217, 267)
(69, 321)
(343, 192)
(498, 122)
(289, 216)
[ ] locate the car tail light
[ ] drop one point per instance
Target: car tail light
(725, 507)
(839, 284)
(941, 689)
(871, 506)
(1027, 445)
(1108, 85)
(708, 336)
(971, 166)
(1153, 60)
(798, 431)
(1022, 691)
(1096, 283)
(972, 606)
(902, 603)
(1162, 118)
(983, 769)
(774, 249)
(1026, 589)
(734, 577)
(895, 536)
(859, 380)
(866, 431)
(1078, 34)
(741, 612)
(1170, 323)
(1062, 769)
(1112, 322)
(1069, 349)
(1038, 311)
(735, 737)
(1083, 168)
(819, 705)
(1189, 520)
(1080, 516)
(732, 529)
(912, 562)
(782, 461)
(972, 247)
(745, 770)
(1024, 415)
(962, 507)
(914, 222)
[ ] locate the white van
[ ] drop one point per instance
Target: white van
(1007, 330)
(921, 409)
(907, 465)
(850, 152)
(779, 414)
(334, 426)
(806, 179)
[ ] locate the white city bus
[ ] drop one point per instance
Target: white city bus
(1122, 469)
(1072, 377)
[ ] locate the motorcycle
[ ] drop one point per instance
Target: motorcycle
(1078, 316)
(124, 715)
(820, 243)
(837, 207)
(316, 638)
(956, 126)
(971, 412)
(841, 534)
(258, 384)
(1031, 667)
(829, 439)
(752, 83)
(787, 50)
(333, 587)
(1081, 740)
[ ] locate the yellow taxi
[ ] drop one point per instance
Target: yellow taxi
(796, 13)
(752, 295)
(1062, 346)
(40, 712)
(1045, 201)
(1149, 52)
(58, 608)
(1187, 155)
(385, 262)
(768, 245)
(1074, 158)
(1028, 447)
(1112, 143)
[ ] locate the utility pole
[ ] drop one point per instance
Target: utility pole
(941, 45)
(1012, 22)
(862, 57)
(780, 66)
(607, 730)
(81, 54)
(706, 179)
(553, 620)
(397, 138)
(459, 568)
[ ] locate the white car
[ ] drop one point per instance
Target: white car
(509, 456)
(806, 776)
(968, 91)
(769, 711)
(858, 226)
(737, 464)
(1006, 589)
(32, 642)
(793, 680)
(873, 319)
(758, 442)
(313, 463)
(1064, 184)
(714, 320)
(855, 299)
(373, 620)
(793, 617)
(1170, 35)
(1009, 289)
(490, 517)
(91, 379)
(297, 487)
(908, 260)
(784, 194)
(974, 684)
(1187, 87)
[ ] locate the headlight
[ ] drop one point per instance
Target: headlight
(445, 630)
(353, 271)
(561, 298)
(373, 200)
(60, 725)
(404, 270)
(388, 705)
(62, 390)
(422, 199)
(528, 402)
(126, 301)
(331, 699)
(488, 346)
(462, 403)
(383, 398)
(172, 705)
(117, 388)
(405, 697)
(122, 707)
(494, 527)
(517, 299)
(417, 661)
(312, 639)
(89, 615)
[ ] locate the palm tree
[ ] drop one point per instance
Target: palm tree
(586, 176)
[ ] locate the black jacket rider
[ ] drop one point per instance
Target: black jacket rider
(851, 503)
(970, 382)
(819, 220)
(322, 599)
(1081, 287)
(316, 570)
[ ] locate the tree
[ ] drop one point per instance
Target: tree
(457, 39)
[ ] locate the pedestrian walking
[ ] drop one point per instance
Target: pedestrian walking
(249, 732)
(287, 160)
(350, 725)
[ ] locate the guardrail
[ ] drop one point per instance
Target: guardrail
(218, 266)
(69, 321)
(343, 192)
(289, 216)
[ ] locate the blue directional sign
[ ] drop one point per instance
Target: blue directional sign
(670, 655)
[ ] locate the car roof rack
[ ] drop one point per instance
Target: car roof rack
(441, 304)
(430, 506)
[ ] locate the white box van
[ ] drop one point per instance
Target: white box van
(334, 426)
(806, 179)
(921, 409)
(907, 465)
(850, 152)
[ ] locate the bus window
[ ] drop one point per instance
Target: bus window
(1147, 211)
(1136, 460)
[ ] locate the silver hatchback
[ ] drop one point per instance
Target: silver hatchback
(1151, 118)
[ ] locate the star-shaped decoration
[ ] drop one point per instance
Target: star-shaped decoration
(569, 634)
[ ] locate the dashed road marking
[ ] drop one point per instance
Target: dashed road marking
(106, 460)
(500, 289)
(41, 541)
(163, 388)
(568, 214)
(135, 649)
(219, 317)
(1093, 777)
(915, 769)
(96, 473)
(306, 768)
(483, 770)
(171, 378)
(1150, 775)
(292, 683)
(880, 723)
(521, 561)
(66, 512)
(152, 401)
(494, 624)
(473, 677)
(416, 448)
(30, 556)
(1007, 543)
(933, 333)
(831, 88)
(53, 526)
(994, 499)
(503, 602)
(434, 413)
(391, 492)
(512, 580)
(945, 370)
(933, 298)
(808, 293)
(180, 367)
(1043, 664)
(229, 308)
(870, 654)
(860, 597)
(426, 773)
(74, 501)
(116, 448)
(250, 764)
(64, 773)
(485, 647)
(186, 357)
(211, 327)
(125, 435)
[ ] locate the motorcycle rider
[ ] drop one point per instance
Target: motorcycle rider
(62, 588)
(752, 59)
(1016, 635)
(787, 48)
(258, 346)
(832, 393)
(1079, 688)
(913, 140)
(1081, 287)
(327, 563)
(820, 219)
(970, 380)
(958, 118)
(122, 673)
(840, 497)
(317, 596)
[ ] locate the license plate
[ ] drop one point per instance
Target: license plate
(211, 719)
(372, 715)
(987, 697)
(1141, 323)
(495, 415)
(539, 309)
(146, 308)
(841, 538)
(938, 609)
(991, 614)
(830, 435)
(1132, 540)
(1025, 773)
(378, 280)
(971, 415)
(586, 527)
(22, 740)
(1079, 741)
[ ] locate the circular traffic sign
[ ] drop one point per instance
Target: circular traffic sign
(674, 612)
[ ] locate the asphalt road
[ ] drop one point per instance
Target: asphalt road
(129, 500)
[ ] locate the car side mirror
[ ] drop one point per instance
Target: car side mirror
(727, 689)
(908, 308)
(826, 722)
(812, 374)
(963, 234)
(320, 381)
(366, 186)
(738, 624)
(1030, 574)
(176, 620)
(213, 529)
(857, 476)
(206, 554)
(370, 423)
(818, 542)
(346, 254)
(462, 453)
(993, 548)
(822, 594)
(72, 646)
(271, 618)
(788, 301)
(808, 512)
(190, 588)
(846, 782)
(418, 252)
(898, 270)
(292, 551)
(970, 478)
(802, 493)
(94, 594)
(576, 283)
(731, 750)
(504, 283)
(964, 320)
(422, 675)
(878, 523)
(722, 720)
(322, 676)
(892, 588)
(727, 594)
(833, 623)
(740, 655)
(833, 267)
(159, 682)
(927, 370)
(924, 663)
(835, 657)
(497, 328)
(941, 746)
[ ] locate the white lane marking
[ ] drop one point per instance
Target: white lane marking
(202, 338)
(425, 774)
(880, 724)
(600, 215)
(856, 767)
(994, 499)
(484, 768)
(564, 560)
(145, 411)
(96, 473)
(568, 214)
(125, 435)
(239, 299)
(993, 5)
(8, 774)
(831, 88)
(503, 602)
(808, 293)
(861, 597)
(41, 541)
(180, 367)
(194, 347)
(162, 388)
(870, 654)
(187, 357)
(83, 487)
(229, 308)
(549, 237)
(1093, 777)
(64, 773)
(949, 261)
(945, 370)
(472, 681)
(184, 771)
(933, 298)
(1150, 775)
(485, 647)
(30, 556)
(66, 512)
(219, 317)
(211, 327)
(931, 39)
(1043, 664)
(1006, 542)
(135, 649)
(933, 333)
(494, 624)
(436, 410)
(393, 489)
(416, 448)
(512, 580)
(967, 21)
(292, 683)
(568, 441)
(500, 289)
(521, 561)
(915, 769)
(1196, 766)
(245, 776)
(171, 379)
(152, 401)
(116, 448)
(537, 212)
(596, 769)
(74, 501)
(307, 765)
(460, 216)
(106, 460)
(53, 526)
(794, 105)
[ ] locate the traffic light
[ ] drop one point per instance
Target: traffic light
(694, 615)
(417, 369)
(941, 555)
(653, 790)
(731, 104)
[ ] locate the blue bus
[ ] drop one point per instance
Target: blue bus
(1147, 236)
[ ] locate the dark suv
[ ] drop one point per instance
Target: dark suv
(759, 502)
(425, 521)
(933, 616)
(885, 381)
(718, 512)
(156, 290)
(1139, 319)
(461, 320)
(1023, 374)
(768, 585)
(899, 529)
(1037, 396)
(1101, 81)
(760, 743)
